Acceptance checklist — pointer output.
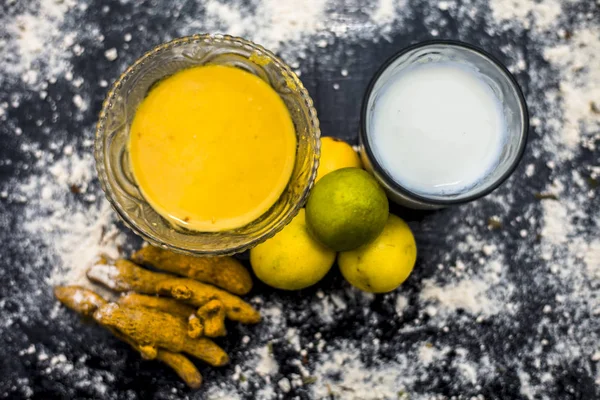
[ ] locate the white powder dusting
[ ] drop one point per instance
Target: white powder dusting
(591, 257)
(342, 374)
(79, 102)
(579, 62)
(385, 11)
(525, 380)
(285, 385)
(111, 54)
(292, 31)
(328, 307)
(38, 48)
(266, 364)
(479, 286)
(401, 304)
(218, 393)
(538, 15)
(76, 231)
(428, 353)
(273, 23)
(60, 366)
(469, 295)
(104, 274)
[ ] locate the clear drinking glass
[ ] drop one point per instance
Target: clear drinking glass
(499, 80)
(130, 89)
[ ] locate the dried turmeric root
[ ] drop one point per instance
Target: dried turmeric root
(224, 272)
(167, 305)
(198, 294)
(125, 276)
(212, 315)
(195, 327)
(156, 328)
(182, 366)
(79, 299)
(171, 306)
(86, 302)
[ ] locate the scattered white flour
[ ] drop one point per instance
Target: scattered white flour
(549, 274)
(266, 364)
(579, 63)
(530, 14)
(38, 49)
(591, 258)
(79, 102)
(428, 353)
(111, 54)
(469, 295)
(385, 12)
(76, 226)
(342, 374)
(401, 304)
(328, 307)
(273, 23)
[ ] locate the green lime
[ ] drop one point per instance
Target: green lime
(346, 209)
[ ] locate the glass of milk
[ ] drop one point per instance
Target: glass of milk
(442, 123)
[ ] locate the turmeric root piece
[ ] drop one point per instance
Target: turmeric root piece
(167, 305)
(212, 315)
(148, 352)
(198, 294)
(195, 327)
(79, 299)
(224, 272)
(86, 302)
(146, 326)
(125, 276)
(182, 366)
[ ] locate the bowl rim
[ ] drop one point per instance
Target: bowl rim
(100, 131)
(431, 200)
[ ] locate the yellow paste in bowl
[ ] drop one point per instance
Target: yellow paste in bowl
(212, 148)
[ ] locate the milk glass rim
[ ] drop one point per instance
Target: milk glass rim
(436, 201)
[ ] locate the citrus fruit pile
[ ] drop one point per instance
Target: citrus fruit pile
(347, 213)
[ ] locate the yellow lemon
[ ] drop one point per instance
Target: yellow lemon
(383, 264)
(291, 259)
(336, 154)
(346, 209)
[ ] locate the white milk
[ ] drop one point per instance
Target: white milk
(437, 129)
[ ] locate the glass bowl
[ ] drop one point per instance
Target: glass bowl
(119, 107)
(500, 81)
